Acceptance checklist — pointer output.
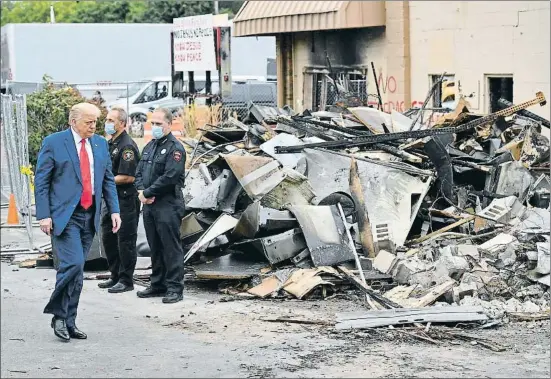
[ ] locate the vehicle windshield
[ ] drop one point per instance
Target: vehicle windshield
(133, 89)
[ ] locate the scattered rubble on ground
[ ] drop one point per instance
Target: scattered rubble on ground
(449, 219)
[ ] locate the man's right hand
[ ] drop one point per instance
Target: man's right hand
(46, 225)
(144, 199)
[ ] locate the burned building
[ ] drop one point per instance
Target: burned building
(488, 51)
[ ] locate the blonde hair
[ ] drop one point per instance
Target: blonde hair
(79, 109)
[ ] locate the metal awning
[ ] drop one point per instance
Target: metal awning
(273, 17)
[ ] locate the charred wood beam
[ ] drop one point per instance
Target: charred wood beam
(438, 154)
(471, 165)
(327, 125)
(380, 138)
(313, 131)
(352, 132)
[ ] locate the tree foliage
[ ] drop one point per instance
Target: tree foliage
(164, 11)
(48, 112)
(102, 11)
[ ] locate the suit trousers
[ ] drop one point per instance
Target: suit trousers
(120, 247)
(72, 246)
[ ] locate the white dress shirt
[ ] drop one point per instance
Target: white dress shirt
(88, 148)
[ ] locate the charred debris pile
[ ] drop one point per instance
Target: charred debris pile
(453, 211)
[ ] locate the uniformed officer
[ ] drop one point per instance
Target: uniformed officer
(120, 248)
(159, 180)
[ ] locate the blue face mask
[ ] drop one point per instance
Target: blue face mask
(157, 131)
(110, 128)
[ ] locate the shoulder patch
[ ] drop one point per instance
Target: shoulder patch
(128, 155)
(177, 156)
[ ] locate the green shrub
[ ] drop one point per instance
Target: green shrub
(48, 112)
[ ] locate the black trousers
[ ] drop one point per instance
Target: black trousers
(120, 247)
(162, 228)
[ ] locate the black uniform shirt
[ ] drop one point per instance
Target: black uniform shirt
(124, 156)
(161, 168)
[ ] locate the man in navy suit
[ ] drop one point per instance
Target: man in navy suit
(72, 174)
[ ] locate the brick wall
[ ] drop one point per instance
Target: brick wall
(476, 39)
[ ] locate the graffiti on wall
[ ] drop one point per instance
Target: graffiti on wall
(388, 85)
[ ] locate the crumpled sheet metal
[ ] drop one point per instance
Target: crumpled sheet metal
(222, 224)
(233, 266)
(535, 221)
(514, 180)
(257, 218)
(190, 226)
(325, 234)
(195, 184)
(206, 198)
(257, 175)
(388, 191)
(276, 248)
(220, 195)
(293, 190)
(503, 210)
(283, 139)
(228, 193)
(265, 113)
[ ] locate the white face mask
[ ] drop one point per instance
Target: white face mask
(157, 131)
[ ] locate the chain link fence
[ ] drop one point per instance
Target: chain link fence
(107, 92)
(15, 170)
(259, 93)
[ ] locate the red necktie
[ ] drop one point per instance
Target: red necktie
(86, 198)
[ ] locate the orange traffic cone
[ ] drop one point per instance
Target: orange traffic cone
(13, 216)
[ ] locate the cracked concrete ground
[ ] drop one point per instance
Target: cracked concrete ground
(205, 337)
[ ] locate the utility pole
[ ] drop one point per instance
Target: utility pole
(208, 78)
(52, 14)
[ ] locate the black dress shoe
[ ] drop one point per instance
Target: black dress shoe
(107, 284)
(120, 287)
(151, 292)
(173, 297)
(60, 329)
(77, 334)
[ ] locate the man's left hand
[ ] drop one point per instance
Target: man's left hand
(116, 219)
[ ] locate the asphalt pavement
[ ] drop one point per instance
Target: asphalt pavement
(125, 335)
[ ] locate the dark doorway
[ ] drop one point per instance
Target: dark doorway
(500, 87)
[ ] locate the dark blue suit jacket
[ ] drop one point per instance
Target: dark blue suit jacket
(58, 182)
